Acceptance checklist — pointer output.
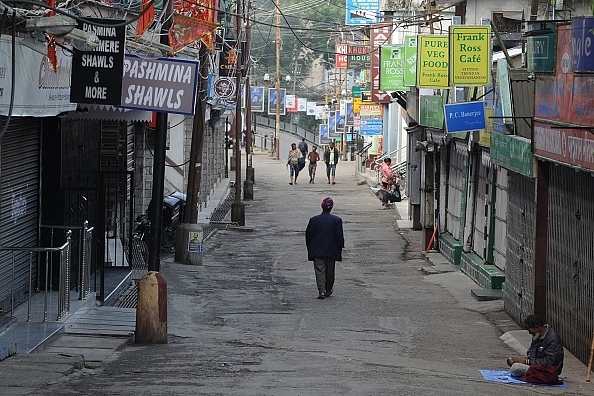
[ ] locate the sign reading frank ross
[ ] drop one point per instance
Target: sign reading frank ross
(98, 71)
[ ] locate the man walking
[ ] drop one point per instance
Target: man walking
(331, 159)
(303, 147)
(324, 239)
(293, 163)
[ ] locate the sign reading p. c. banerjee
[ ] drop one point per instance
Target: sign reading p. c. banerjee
(97, 74)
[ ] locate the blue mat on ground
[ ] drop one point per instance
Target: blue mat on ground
(503, 377)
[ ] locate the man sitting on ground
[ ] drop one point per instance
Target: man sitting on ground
(545, 349)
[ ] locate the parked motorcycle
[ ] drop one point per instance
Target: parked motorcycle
(173, 208)
(142, 227)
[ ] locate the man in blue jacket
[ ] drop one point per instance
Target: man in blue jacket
(324, 239)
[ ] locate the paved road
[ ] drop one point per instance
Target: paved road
(247, 321)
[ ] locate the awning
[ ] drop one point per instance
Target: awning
(110, 113)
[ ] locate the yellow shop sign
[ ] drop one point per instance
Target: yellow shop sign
(432, 61)
(470, 50)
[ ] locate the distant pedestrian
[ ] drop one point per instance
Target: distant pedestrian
(313, 158)
(331, 159)
(386, 171)
(324, 239)
(303, 147)
(293, 163)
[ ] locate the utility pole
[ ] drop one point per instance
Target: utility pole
(156, 209)
(278, 98)
(237, 207)
(190, 227)
(248, 185)
(151, 307)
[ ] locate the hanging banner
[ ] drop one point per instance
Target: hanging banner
(470, 55)
(272, 101)
(392, 68)
(410, 61)
(432, 65)
(291, 104)
(257, 98)
(38, 90)
(324, 130)
(301, 105)
(193, 20)
(185, 31)
(228, 59)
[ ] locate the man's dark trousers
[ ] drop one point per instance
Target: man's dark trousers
(324, 269)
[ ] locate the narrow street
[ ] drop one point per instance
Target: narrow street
(247, 321)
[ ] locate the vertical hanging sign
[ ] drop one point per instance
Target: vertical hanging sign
(380, 34)
(410, 61)
(341, 58)
(97, 73)
(392, 68)
(470, 50)
(433, 58)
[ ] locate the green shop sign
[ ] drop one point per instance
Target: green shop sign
(391, 77)
(410, 61)
(541, 46)
(431, 111)
(513, 153)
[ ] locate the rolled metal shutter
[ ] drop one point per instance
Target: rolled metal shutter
(19, 200)
(518, 291)
(501, 199)
(458, 155)
(570, 272)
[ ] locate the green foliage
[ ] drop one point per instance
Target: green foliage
(309, 30)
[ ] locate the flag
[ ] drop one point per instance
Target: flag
(52, 56)
(146, 17)
(186, 31)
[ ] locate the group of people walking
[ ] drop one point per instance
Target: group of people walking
(298, 155)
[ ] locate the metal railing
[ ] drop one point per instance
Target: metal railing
(83, 241)
(398, 167)
(45, 255)
(363, 158)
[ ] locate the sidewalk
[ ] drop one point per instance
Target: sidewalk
(519, 340)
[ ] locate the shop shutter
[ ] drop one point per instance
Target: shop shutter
(19, 198)
(500, 239)
(458, 155)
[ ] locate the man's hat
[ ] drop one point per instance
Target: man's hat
(327, 203)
